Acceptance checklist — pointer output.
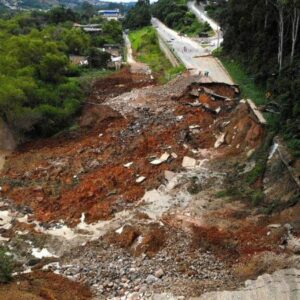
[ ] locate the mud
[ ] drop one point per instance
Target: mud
(43, 285)
(88, 175)
(63, 192)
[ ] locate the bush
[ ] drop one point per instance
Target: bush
(139, 16)
(257, 197)
(98, 58)
(6, 267)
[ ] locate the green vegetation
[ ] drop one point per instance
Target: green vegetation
(214, 9)
(145, 44)
(6, 266)
(254, 197)
(94, 73)
(98, 58)
(139, 16)
(269, 50)
(246, 83)
(247, 186)
(39, 91)
(175, 14)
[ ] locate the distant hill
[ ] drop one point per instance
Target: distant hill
(45, 4)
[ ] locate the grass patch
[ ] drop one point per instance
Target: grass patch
(6, 266)
(254, 196)
(194, 28)
(246, 83)
(231, 192)
(146, 47)
(257, 172)
(92, 73)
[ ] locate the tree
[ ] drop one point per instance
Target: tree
(87, 11)
(139, 16)
(77, 41)
(112, 31)
(6, 266)
(280, 5)
(98, 58)
(264, 36)
(61, 14)
(53, 67)
(295, 25)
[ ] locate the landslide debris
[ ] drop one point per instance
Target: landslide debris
(87, 175)
(44, 285)
(140, 199)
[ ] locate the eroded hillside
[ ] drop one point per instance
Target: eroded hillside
(149, 196)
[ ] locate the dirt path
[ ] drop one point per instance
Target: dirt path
(135, 67)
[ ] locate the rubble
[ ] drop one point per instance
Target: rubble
(140, 179)
(128, 165)
(283, 284)
(161, 160)
(220, 140)
(127, 203)
(188, 162)
(256, 112)
(169, 175)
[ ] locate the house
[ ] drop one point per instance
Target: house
(115, 51)
(89, 28)
(115, 63)
(110, 14)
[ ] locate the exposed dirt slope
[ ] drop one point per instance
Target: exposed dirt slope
(131, 202)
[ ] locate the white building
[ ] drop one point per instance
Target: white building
(113, 14)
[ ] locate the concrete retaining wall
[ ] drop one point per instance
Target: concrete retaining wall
(169, 54)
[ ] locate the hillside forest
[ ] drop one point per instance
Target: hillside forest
(40, 91)
(263, 36)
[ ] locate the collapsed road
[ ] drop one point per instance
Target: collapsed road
(196, 58)
(129, 205)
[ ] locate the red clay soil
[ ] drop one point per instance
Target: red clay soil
(43, 286)
(117, 84)
(62, 178)
(242, 243)
(50, 188)
(139, 240)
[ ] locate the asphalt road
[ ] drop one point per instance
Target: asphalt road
(215, 41)
(195, 57)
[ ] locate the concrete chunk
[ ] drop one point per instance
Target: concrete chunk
(169, 175)
(140, 179)
(160, 160)
(220, 140)
(128, 165)
(188, 162)
(256, 112)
